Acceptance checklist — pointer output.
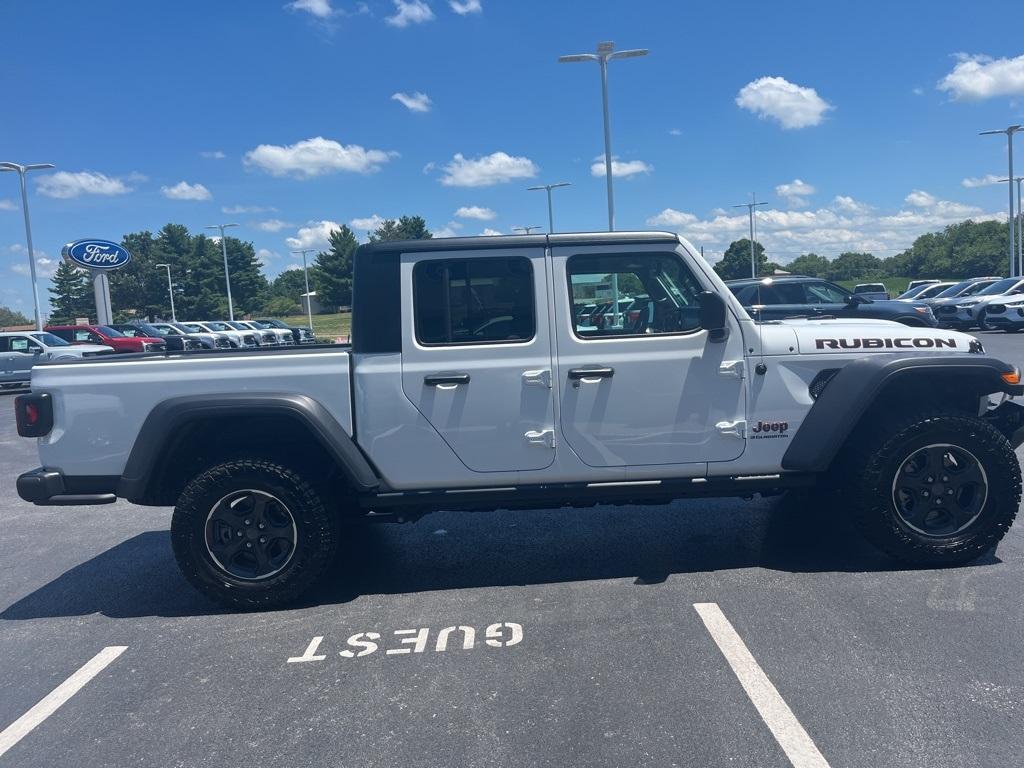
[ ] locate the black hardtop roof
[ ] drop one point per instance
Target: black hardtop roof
(494, 242)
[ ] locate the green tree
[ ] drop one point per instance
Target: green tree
(736, 261)
(10, 316)
(405, 228)
(810, 264)
(965, 249)
(287, 288)
(71, 294)
(854, 266)
(334, 267)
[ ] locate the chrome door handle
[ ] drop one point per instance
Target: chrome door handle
(597, 372)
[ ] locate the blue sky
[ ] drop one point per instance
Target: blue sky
(857, 124)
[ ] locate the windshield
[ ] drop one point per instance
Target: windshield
(155, 330)
(237, 325)
(956, 289)
(977, 288)
(219, 326)
(870, 288)
(193, 328)
(1000, 286)
(50, 340)
(931, 291)
(106, 330)
(273, 323)
(917, 290)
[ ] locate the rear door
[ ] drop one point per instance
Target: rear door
(5, 359)
(653, 391)
(476, 354)
(776, 301)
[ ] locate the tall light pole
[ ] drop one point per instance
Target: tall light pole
(309, 300)
(750, 209)
(1009, 131)
(549, 187)
(227, 274)
(605, 53)
(21, 170)
(526, 230)
(170, 289)
(1020, 225)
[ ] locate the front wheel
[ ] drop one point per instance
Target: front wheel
(937, 489)
(983, 323)
(253, 534)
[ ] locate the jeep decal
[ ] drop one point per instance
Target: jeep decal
(769, 429)
(921, 342)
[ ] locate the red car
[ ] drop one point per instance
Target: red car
(104, 334)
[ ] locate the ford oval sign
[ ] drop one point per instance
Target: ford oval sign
(96, 254)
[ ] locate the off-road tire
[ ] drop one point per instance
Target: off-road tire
(316, 535)
(876, 456)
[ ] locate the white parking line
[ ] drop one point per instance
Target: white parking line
(21, 727)
(777, 715)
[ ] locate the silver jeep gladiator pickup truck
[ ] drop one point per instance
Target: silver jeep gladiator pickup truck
(469, 384)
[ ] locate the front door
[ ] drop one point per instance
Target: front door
(22, 353)
(652, 389)
(476, 354)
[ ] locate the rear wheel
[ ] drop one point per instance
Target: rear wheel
(937, 489)
(253, 534)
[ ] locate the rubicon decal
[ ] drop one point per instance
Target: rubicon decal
(765, 429)
(903, 342)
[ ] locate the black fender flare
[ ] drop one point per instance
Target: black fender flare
(172, 414)
(857, 386)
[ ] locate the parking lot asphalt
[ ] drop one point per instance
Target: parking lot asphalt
(587, 648)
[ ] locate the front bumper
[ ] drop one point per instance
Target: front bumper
(959, 318)
(50, 487)
(1001, 316)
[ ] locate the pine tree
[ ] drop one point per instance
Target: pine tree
(405, 228)
(71, 294)
(333, 283)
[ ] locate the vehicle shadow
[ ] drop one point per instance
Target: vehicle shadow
(455, 550)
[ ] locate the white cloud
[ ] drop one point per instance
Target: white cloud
(185, 191)
(233, 209)
(213, 154)
(320, 9)
(290, 267)
(45, 266)
(917, 91)
(418, 102)
(475, 212)
(449, 230)
(620, 168)
(981, 181)
(315, 235)
(795, 192)
(468, 6)
(847, 204)
(495, 168)
(265, 256)
(316, 157)
(793, 106)
(367, 223)
(8, 205)
(977, 77)
(488, 232)
(847, 225)
(675, 132)
(65, 185)
(411, 12)
(272, 225)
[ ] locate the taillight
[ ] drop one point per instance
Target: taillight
(33, 414)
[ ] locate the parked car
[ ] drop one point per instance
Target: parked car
(176, 342)
(968, 312)
(915, 283)
(300, 334)
(959, 291)
(238, 338)
(267, 459)
(1005, 313)
(873, 291)
(777, 298)
(606, 316)
(20, 350)
(104, 334)
(206, 339)
(924, 291)
(263, 338)
(281, 335)
(583, 312)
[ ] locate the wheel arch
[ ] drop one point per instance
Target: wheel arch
(179, 432)
(875, 386)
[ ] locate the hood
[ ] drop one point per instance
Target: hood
(1015, 298)
(823, 337)
(79, 349)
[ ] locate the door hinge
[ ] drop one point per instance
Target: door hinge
(732, 428)
(541, 437)
(540, 377)
(735, 368)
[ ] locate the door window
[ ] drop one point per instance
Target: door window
(824, 293)
(474, 301)
(87, 336)
(657, 294)
(23, 344)
(777, 293)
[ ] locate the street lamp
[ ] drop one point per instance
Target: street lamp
(227, 275)
(170, 289)
(1020, 227)
(21, 170)
(526, 230)
(605, 53)
(549, 187)
(309, 300)
(750, 209)
(1009, 131)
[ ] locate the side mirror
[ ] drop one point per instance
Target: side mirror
(712, 316)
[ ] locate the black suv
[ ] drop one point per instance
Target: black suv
(776, 298)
